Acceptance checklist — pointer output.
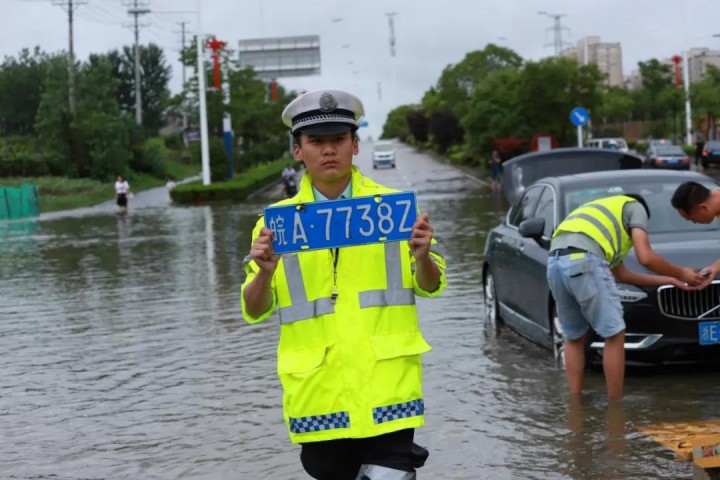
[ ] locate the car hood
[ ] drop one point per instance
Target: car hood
(520, 172)
(699, 251)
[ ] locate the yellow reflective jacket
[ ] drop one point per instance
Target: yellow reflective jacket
(602, 221)
(352, 368)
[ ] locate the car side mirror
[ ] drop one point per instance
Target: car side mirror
(533, 228)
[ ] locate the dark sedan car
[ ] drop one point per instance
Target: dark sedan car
(664, 324)
(711, 153)
(667, 156)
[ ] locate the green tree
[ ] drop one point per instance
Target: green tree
(21, 86)
(656, 78)
(458, 82)
(705, 97)
(396, 125)
(154, 80)
(495, 111)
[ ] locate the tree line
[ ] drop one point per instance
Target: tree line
(40, 136)
(494, 95)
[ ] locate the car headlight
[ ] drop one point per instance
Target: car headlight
(630, 293)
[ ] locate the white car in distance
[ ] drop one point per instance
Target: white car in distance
(384, 155)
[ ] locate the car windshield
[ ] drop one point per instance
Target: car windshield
(384, 147)
(657, 194)
(710, 145)
(668, 150)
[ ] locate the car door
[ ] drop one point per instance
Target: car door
(532, 262)
(513, 270)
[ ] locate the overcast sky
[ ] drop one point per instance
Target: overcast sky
(429, 35)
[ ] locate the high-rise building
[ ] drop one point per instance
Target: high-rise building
(607, 57)
(698, 61)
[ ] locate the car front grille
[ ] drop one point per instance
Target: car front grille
(677, 303)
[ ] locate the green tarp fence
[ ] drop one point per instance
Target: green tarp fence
(20, 202)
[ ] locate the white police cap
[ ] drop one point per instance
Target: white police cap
(323, 112)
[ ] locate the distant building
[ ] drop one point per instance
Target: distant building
(633, 81)
(698, 61)
(607, 57)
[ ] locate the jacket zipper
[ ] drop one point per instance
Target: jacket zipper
(336, 255)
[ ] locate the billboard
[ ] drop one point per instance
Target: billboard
(281, 56)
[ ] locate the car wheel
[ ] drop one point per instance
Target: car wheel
(393, 165)
(705, 165)
(374, 166)
(558, 344)
(492, 313)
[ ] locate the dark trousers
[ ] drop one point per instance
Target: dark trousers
(342, 459)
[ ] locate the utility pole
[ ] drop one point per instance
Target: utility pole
(391, 24)
(184, 76)
(557, 29)
(182, 39)
(70, 5)
(136, 11)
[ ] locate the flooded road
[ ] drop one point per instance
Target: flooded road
(124, 355)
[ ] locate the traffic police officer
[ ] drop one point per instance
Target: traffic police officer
(349, 356)
(587, 250)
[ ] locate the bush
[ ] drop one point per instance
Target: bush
(218, 158)
(174, 141)
(236, 189)
(20, 156)
(153, 155)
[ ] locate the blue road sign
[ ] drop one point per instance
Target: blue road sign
(342, 223)
(579, 117)
(363, 123)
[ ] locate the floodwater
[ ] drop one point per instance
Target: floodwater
(124, 355)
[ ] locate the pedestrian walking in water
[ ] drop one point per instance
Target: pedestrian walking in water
(495, 170)
(122, 190)
(586, 257)
(349, 357)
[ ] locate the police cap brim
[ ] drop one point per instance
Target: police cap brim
(327, 129)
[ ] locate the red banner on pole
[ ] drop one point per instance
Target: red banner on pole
(676, 60)
(216, 45)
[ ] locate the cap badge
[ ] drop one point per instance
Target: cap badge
(327, 103)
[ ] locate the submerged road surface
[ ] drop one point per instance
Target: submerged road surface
(124, 356)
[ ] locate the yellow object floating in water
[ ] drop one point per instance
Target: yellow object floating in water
(679, 436)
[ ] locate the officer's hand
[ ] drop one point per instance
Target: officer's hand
(263, 253)
(421, 237)
(691, 277)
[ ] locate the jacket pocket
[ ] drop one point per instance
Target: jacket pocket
(301, 360)
(386, 347)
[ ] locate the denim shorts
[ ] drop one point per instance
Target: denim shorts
(585, 294)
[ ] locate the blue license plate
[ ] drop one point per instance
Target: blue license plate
(673, 160)
(342, 223)
(708, 333)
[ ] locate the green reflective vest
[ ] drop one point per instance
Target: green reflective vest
(601, 220)
(350, 364)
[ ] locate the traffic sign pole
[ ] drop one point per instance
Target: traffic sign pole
(579, 117)
(580, 141)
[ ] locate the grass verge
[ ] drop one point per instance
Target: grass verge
(60, 193)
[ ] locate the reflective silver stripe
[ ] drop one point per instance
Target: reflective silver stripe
(393, 267)
(387, 298)
(606, 233)
(248, 258)
(306, 310)
(611, 217)
(300, 309)
(376, 472)
(291, 265)
(395, 294)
